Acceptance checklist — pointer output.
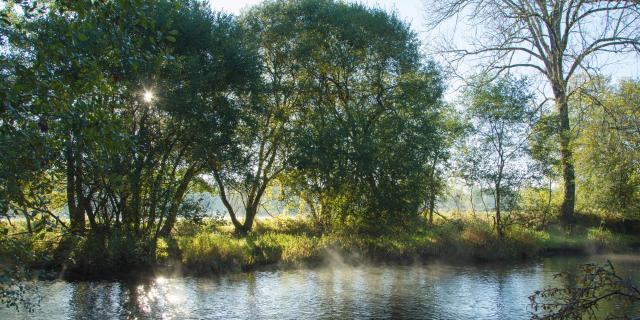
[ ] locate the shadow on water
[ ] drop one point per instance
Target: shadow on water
(426, 291)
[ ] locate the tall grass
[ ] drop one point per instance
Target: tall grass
(212, 252)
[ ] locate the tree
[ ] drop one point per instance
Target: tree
(555, 38)
(364, 132)
(501, 116)
(84, 77)
(452, 128)
(264, 137)
(111, 98)
(608, 147)
(211, 93)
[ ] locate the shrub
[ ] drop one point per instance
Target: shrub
(116, 253)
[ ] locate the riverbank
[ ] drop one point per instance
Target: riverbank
(212, 248)
(291, 242)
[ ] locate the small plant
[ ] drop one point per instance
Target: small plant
(601, 238)
(593, 286)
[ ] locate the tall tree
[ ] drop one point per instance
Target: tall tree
(364, 134)
(501, 116)
(556, 38)
(608, 148)
(264, 136)
(116, 92)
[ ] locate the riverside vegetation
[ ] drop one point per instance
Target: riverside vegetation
(212, 247)
(116, 115)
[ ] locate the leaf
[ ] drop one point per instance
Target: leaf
(82, 37)
(170, 38)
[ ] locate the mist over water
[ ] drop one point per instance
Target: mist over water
(337, 291)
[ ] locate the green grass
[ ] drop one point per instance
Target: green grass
(589, 240)
(214, 252)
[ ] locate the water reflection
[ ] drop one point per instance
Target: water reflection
(434, 291)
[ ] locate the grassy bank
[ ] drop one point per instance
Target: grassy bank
(212, 247)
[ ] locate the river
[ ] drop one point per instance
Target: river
(421, 291)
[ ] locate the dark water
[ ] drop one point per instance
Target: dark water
(431, 291)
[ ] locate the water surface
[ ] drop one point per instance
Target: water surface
(427, 291)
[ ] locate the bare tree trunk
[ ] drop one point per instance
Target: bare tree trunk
(249, 217)
(432, 193)
(225, 201)
(251, 209)
(82, 202)
(75, 215)
(556, 39)
(568, 170)
(498, 218)
(473, 208)
(175, 203)
(27, 218)
(432, 206)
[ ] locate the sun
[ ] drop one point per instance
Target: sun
(148, 96)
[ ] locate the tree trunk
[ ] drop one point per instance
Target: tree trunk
(432, 206)
(225, 201)
(177, 200)
(498, 217)
(249, 217)
(76, 217)
(27, 218)
(473, 207)
(83, 202)
(432, 193)
(566, 154)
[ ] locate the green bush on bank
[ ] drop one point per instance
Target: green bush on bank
(107, 254)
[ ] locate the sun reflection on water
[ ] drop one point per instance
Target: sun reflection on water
(162, 297)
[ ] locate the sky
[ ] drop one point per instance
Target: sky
(413, 12)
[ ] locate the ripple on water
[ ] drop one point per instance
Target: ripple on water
(432, 291)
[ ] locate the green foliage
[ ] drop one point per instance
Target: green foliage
(495, 154)
(118, 113)
(607, 149)
(116, 253)
(538, 206)
(16, 257)
(15, 290)
(162, 250)
(107, 105)
(365, 124)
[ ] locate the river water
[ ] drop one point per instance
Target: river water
(424, 291)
